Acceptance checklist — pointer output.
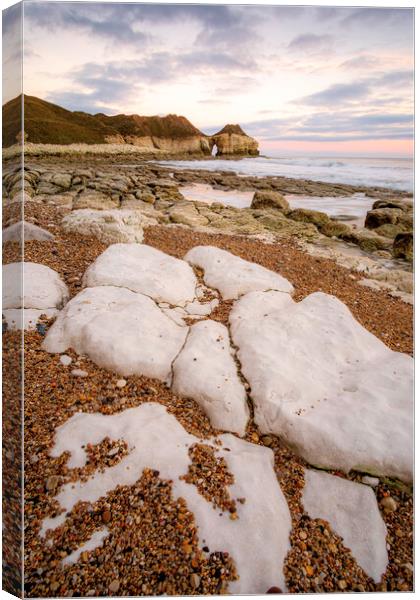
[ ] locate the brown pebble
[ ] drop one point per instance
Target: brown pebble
(303, 535)
(274, 590)
(195, 580)
(389, 504)
(342, 584)
(114, 586)
(106, 516)
(52, 482)
(309, 570)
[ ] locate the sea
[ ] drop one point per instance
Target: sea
(394, 173)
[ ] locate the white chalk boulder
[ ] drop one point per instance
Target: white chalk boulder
(119, 330)
(144, 269)
(109, 226)
(28, 231)
(41, 286)
(326, 385)
(258, 541)
(232, 276)
(352, 511)
(205, 370)
(26, 318)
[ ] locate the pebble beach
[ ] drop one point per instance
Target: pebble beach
(146, 538)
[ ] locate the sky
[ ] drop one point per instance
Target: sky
(299, 79)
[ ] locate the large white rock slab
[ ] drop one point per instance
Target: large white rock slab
(26, 318)
(258, 540)
(109, 226)
(352, 511)
(32, 285)
(205, 370)
(322, 382)
(28, 231)
(232, 276)
(119, 330)
(144, 269)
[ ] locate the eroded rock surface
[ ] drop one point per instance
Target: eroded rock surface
(352, 511)
(109, 226)
(206, 371)
(144, 269)
(232, 276)
(324, 384)
(258, 540)
(119, 330)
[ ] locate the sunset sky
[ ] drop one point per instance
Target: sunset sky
(301, 80)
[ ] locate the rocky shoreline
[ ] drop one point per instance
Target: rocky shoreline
(74, 212)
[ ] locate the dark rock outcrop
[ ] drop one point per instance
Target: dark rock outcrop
(270, 199)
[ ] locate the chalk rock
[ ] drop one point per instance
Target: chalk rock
(28, 231)
(143, 269)
(109, 226)
(206, 371)
(258, 540)
(326, 385)
(119, 330)
(232, 276)
(42, 286)
(352, 511)
(27, 319)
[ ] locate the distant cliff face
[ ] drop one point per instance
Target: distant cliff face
(47, 123)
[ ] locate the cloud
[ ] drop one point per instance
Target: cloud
(363, 61)
(310, 42)
(339, 92)
(355, 91)
(324, 126)
(368, 16)
(103, 87)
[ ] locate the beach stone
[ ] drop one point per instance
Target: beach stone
(114, 586)
(187, 214)
(232, 276)
(119, 330)
(370, 241)
(43, 287)
(371, 481)
(94, 199)
(347, 372)
(335, 229)
(205, 371)
(269, 199)
(65, 360)
(61, 179)
(381, 216)
(79, 373)
(352, 511)
(403, 246)
(109, 226)
(306, 215)
(389, 504)
(405, 205)
(257, 541)
(143, 269)
(28, 231)
(62, 200)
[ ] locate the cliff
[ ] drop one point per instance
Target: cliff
(232, 140)
(47, 123)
